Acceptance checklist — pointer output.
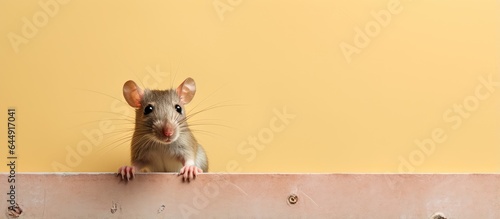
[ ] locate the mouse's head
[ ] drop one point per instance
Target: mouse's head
(160, 114)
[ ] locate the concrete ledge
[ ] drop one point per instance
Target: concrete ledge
(164, 195)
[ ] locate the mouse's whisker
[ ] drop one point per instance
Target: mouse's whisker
(114, 144)
(80, 125)
(211, 124)
(208, 108)
(107, 112)
(127, 131)
(104, 94)
(215, 104)
(207, 97)
(211, 134)
(216, 120)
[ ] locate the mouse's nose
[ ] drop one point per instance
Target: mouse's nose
(168, 130)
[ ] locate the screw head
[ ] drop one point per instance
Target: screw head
(293, 199)
(438, 215)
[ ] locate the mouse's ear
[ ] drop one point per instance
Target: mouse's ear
(133, 94)
(186, 90)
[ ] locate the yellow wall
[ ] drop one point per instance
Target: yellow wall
(359, 99)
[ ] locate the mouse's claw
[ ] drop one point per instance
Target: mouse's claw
(189, 172)
(126, 172)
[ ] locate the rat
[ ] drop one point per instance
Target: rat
(162, 140)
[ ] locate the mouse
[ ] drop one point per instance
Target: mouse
(162, 140)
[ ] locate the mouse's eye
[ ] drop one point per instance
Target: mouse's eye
(149, 108)
(178, 109)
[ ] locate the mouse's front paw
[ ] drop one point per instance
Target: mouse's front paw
(126, 172)
(189, 172)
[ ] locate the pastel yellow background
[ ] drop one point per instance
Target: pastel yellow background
(251, 59)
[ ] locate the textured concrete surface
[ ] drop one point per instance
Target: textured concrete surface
(160, 195)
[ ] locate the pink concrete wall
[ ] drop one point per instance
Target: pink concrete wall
(94, 195)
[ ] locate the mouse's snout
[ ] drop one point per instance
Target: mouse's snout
(168, 133)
